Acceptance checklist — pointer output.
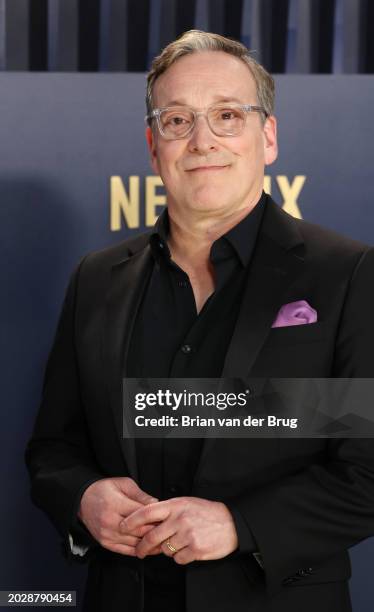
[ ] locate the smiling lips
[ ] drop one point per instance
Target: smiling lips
(206, 168)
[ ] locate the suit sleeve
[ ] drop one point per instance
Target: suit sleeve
(59, 455)
(301, 521)
(246, 542)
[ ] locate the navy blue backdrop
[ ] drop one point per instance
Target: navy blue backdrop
(62, 140)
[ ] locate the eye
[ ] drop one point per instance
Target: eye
(178, 120)
(227, 115)
(175, 119)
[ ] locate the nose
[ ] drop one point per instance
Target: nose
(202, 138)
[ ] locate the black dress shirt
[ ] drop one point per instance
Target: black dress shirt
(171, 340)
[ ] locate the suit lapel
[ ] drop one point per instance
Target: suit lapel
(128, 281)
(275, 265)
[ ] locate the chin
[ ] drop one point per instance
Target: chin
(207, 205)
(214, 200)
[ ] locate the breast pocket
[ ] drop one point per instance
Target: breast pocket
(297, 334)
(296, 351)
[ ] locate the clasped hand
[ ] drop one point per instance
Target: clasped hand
(126, 520)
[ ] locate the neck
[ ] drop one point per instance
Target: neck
(191, 239)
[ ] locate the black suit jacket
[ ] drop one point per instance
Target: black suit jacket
(306, 501)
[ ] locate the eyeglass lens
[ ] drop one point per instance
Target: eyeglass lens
(223, 121)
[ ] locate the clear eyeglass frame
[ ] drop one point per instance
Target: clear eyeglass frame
(245, 108)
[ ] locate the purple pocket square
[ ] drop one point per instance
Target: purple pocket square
(295, 313)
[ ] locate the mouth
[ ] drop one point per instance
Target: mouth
(207, 169)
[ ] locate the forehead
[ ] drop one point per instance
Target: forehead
(204, 77)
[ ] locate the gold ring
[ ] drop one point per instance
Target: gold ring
(170, 546)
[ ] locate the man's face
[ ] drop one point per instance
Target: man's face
(204, 173)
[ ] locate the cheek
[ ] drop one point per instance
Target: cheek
(167, 158)
(254, 154)
(249, 151)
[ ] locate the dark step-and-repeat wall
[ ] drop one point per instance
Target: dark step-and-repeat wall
(74, 177)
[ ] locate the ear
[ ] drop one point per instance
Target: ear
(270, 140)
(150, 138)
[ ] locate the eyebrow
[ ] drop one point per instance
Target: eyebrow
(217, 100)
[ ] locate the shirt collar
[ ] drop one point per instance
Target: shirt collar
(239, 240)
(242, 237)
(159, 235)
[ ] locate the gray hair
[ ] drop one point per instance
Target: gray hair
(196, 40)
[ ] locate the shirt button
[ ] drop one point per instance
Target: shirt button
(173, 489)
(186, 349)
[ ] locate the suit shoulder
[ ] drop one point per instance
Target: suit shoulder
(334, 254)
(327, 242)
(94, 268)
(326, 251)
(110, 256)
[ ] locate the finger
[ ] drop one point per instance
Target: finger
(155, 537)
(122, 549)
(148, 514)
(108, 537)
(115, 538)
(184, 556)
(130, 540)
(139, 532)
(127, 506)
(174, 542)
(132, 490)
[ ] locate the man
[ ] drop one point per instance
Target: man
(226, 285)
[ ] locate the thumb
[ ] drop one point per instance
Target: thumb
(134, 492)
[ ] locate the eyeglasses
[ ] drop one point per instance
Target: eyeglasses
(176, 122)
